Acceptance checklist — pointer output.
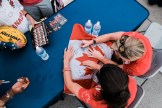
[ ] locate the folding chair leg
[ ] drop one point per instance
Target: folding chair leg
(144, 82)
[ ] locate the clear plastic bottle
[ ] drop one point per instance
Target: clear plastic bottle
(96, 29)
(88, 26)
(42, 53)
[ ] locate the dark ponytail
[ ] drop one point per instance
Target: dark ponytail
(122, 99)
(114, 83)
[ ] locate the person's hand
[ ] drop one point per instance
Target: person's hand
(95, 54)
(32, 21)
(91, 65)
(2, 104)
(20, 85)
(19, 43)
(68, 53)
(86, 43)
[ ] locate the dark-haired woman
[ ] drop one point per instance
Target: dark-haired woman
(132, 48)
(115, 89)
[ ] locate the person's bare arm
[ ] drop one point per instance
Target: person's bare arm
(18, 87)
(72, 86)
(104, 60)
(107, 61)
(96, 54)
(32, 21)
(103, 38)
(6, 97)
(108, 37)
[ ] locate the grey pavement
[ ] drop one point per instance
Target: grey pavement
(153, 87)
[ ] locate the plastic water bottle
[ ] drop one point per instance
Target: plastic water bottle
(88, 26)
(42, 53)
(96, 29)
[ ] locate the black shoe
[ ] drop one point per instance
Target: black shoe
(152, 2)
(159, 3)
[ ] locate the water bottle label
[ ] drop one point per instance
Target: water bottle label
(88, 27)
(44, 56)
(96, 29)
(88, 30)
(95, 33)
(42, 53)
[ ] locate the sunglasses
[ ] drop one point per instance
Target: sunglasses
(121, 48)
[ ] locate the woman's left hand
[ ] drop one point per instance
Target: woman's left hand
(68, 53)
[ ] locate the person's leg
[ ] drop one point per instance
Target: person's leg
(34, 11)
(46, 8)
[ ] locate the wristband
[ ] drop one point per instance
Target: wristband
(94, 41)
(7, 95)
(26, 14)
(66, 69)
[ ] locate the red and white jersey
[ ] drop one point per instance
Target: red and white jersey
(11, 15)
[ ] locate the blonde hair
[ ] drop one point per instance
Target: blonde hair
(133, 48)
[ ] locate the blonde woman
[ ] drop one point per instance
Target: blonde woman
(132, 48)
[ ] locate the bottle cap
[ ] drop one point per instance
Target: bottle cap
(98, 23)
(89, 21)
(38, 49)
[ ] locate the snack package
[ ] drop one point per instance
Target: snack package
(57, 22)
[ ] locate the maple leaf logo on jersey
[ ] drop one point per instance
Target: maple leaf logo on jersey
(86, 57)
(86, 96)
